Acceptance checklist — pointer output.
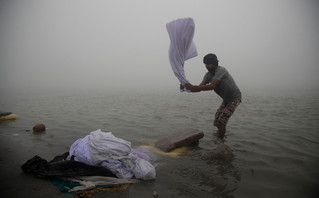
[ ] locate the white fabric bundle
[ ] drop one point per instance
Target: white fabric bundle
(182, 47)
(115, 154)
(103, 145)
(80, 150)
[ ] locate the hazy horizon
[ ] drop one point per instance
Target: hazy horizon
(123, 45)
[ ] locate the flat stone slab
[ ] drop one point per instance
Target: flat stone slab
(178, 139)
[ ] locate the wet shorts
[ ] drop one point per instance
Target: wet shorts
(224, 112)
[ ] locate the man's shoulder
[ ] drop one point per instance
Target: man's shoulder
(220, 72)
(221, 68)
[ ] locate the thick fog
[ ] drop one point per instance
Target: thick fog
(123, 45)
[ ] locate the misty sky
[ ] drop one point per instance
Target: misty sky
(123, 45)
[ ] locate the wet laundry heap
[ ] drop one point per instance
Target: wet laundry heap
(115, 154)
(97, 154)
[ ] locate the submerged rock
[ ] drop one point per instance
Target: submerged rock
(178, 139)
(222, 151)
(39, 128)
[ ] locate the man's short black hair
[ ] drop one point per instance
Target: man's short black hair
(210, 59)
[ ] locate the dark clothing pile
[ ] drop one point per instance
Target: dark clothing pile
(60, 167)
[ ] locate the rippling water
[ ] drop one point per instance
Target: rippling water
(273, 136)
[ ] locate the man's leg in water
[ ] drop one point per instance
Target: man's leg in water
(221, 129)
(222, 116)
(217, 121)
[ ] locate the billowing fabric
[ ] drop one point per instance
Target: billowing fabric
(182, 47)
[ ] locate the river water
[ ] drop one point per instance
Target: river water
(273, 136)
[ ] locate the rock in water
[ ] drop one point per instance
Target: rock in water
(39, 128)
(178, 139)
(220, 152)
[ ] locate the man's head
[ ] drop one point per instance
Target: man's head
(210, 59)
(211, 62)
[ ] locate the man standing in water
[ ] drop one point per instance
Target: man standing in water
(219, 79)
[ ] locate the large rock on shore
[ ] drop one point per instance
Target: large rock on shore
(178, 139)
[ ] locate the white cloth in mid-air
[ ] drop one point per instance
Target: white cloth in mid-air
(182, 47)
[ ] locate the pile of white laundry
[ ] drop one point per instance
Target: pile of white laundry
(115, 154)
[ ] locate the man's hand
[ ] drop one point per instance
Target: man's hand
(192, 88)
(188, 86)
(203, 86)
(181, 87)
